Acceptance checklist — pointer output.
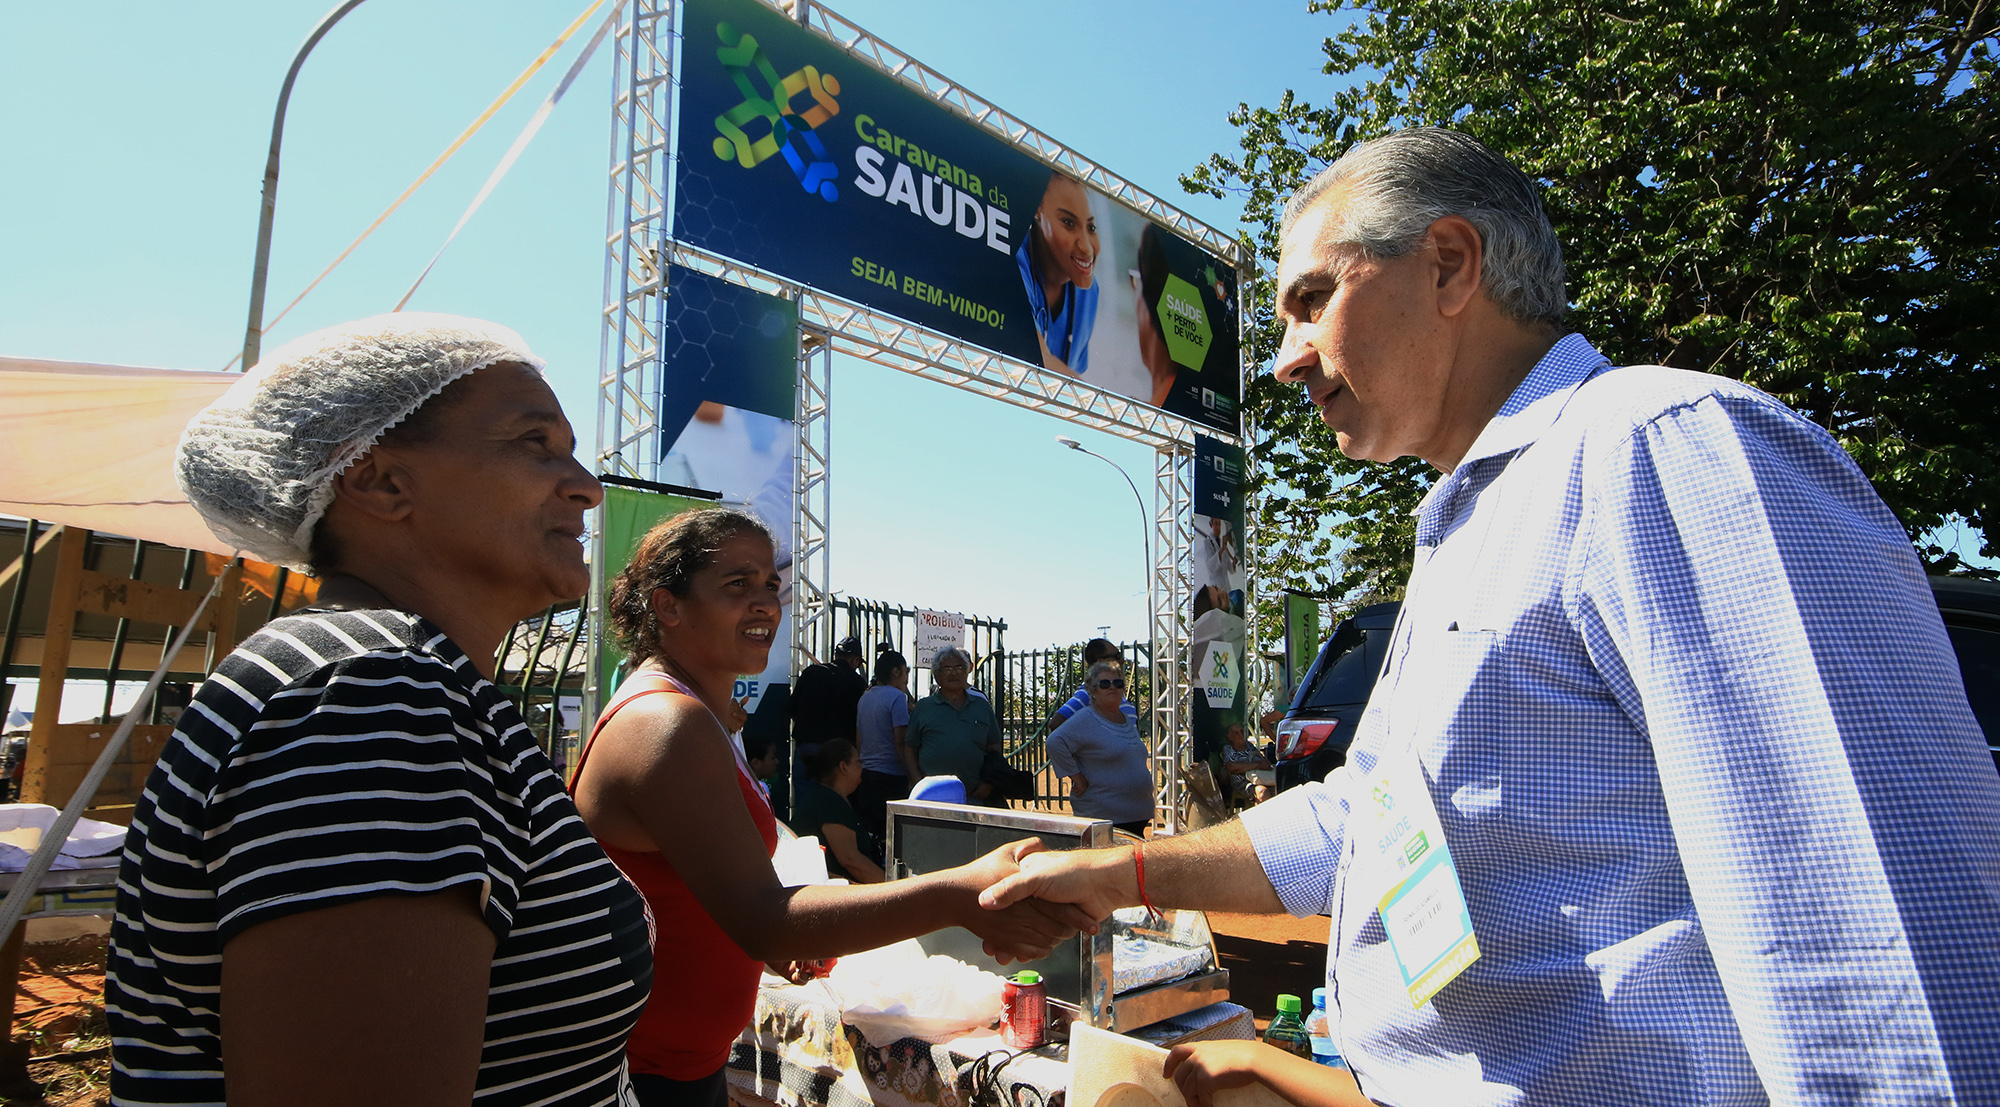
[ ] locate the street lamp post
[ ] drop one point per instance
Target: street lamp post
(253, 332)
(1145, 516)
(1168, 782)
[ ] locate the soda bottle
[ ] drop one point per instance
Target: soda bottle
(1286, 1031)
(1317, 1027)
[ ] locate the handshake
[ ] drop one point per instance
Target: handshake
(1025, 899)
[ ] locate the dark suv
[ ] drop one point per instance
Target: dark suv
(1971, 610)
(1313, 738)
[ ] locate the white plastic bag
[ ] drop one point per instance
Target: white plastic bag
(799, 861)
(897, 992)
(91, 844)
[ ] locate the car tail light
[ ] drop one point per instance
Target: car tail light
(1302, 738)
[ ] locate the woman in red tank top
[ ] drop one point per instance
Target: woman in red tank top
(666, 791)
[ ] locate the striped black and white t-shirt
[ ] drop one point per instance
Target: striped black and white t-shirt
(342, 755)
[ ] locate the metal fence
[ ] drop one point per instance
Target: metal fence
(1025, 686)
(877, 623)
(543, 660)
(541, 663)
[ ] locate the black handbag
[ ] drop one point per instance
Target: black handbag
(1008, 782)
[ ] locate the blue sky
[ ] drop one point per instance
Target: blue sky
(133, 138)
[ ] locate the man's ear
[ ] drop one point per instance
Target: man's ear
(1460, 256)
(666, 607)
(376, 485)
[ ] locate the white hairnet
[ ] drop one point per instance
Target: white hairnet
(259, 462)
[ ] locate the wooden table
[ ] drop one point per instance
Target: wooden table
(91, 891)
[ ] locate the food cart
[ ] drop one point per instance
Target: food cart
(1156, 979)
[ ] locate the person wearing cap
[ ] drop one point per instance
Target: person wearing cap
(353, 877)
(824, 703)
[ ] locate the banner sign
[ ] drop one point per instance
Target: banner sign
(728, 387)
(937, 630)
(1216, 637)
(803, 160)
(1301, 638)
(628, 514)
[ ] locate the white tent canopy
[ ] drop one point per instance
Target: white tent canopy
(93, 446)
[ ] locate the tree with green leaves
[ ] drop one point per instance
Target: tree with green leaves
(1803, 196)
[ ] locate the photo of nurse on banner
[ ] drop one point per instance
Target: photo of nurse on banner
(1126, 306)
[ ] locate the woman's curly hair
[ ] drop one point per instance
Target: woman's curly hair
(668, 557)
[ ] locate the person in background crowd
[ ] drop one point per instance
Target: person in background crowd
(852, 852)
(1100, 751)
(1239, 760)
(1094, 651)
(1716, 840)
(951, 730)
(670, 797)
(883, 719)
(353, 877)
(760, 751)
(823, 702)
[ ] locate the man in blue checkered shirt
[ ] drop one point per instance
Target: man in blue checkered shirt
(1669, 685)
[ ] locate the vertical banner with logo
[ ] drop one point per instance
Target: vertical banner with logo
(1301, 638)
(802, 159)
(628, 514)
(1216, 637)
(728, 390)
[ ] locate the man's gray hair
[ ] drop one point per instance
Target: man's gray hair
(1406, 180)
(938, 659)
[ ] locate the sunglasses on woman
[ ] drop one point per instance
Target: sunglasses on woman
(1111, 682)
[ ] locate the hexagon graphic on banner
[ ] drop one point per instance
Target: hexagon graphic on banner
(1185, 323)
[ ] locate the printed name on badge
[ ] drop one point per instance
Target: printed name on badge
(1422, 905)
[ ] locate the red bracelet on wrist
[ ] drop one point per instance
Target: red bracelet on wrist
(1139, 864)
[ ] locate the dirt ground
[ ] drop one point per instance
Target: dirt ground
(1270, 954)
(59, 1015)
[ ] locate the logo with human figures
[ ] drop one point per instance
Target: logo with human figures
(1217, 675)
(770, 110)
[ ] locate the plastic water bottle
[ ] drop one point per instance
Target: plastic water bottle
(1321, 1033)
(1286, 1031)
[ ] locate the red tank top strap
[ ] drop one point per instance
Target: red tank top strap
(644, 682)
(647, 682)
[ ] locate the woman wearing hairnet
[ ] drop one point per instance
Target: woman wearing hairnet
(353, 877)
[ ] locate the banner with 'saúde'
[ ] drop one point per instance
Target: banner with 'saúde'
(1217, 637)
(801, 159)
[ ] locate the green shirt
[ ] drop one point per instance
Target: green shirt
(819, 805)
(952, 741)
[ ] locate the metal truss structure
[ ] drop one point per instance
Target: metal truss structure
(629, 348)
(1172, 586)
(634, 279)
(812, 615)
(952, 95)
(886, 340)
(639, 250)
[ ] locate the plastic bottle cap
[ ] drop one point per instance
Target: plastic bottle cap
(1027, 976)
(1319, 998)
(1288, 1005)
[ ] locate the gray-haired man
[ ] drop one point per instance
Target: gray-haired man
(1638, 813)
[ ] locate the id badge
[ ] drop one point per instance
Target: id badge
(1422, 906)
